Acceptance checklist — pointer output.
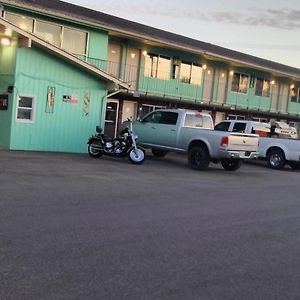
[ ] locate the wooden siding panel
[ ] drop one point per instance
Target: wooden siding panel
(68, 127)
(7, 70)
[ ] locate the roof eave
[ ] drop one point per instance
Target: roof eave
(79, 20)
(65, 55)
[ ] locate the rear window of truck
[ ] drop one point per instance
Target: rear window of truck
(199, 121)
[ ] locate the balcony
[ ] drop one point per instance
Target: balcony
(148, 85)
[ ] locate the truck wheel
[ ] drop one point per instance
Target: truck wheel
(295, 165)
(159, 153)
(198, 158)
(276, 159)
(231, 164)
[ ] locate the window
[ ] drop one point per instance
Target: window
(223, 126)
(239, 83)
(235, 117)
(168, 118)
(190, 73)
(239, 127)
(48, 32)
(262, 120)
(23, 22)
(25, 108)
(262, 87)
(197, 120)
(74, 41)
(157, 66)
(147, 108)
(295, 95)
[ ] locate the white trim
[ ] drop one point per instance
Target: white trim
(33, 109)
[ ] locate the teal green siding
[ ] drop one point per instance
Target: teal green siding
(68, 127)
(98, 45)
(170, 87)
(7, 70)
(248, 100)
(294, 108)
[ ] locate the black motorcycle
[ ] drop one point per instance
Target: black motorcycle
(122, 146)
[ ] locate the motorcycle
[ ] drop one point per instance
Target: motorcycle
(121, 146)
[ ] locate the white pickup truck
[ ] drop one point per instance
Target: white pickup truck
(191, 132)
(278, 150)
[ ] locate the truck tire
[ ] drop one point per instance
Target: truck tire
(159, 153)
(198, 158)
(231, 164)
(276, 159)
(295, 165)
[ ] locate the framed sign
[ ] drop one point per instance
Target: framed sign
(50, 99)
(3, 102)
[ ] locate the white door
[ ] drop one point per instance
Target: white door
(129, 110)
(132, 67)
(114, 59)
(208, 85)
(283, 99)
(220, 116)
(274, 99)
(222, 91)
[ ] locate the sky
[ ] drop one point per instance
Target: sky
(267, 29)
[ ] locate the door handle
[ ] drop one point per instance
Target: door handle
(153, 127)
(173, 129)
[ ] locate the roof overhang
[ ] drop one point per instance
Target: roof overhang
(33, 39)
(152, 39)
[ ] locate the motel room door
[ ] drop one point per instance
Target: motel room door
(111, 118)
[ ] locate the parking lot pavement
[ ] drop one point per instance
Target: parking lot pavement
(74, 227)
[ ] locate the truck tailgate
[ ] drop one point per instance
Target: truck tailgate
(243, 142)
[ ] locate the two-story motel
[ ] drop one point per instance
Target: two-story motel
(65, 69)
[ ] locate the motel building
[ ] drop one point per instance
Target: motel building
(65, 69)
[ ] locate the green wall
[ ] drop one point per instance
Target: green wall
(68, 127)
(7, 70)
(98, 45)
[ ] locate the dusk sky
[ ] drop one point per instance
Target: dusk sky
(267, 29)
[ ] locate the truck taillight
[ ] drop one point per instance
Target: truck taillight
(224, 141)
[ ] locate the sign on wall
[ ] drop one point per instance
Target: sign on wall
(3, 102)
(50, 99)
(72, 99)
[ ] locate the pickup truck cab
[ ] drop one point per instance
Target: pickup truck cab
(277, 148)
(191, 132)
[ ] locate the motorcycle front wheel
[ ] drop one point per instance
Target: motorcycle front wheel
(136, 156)
(95, 149)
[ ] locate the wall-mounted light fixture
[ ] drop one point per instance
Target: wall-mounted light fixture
(292, 86)
(231, 73)
(204, 67)
(272, 82)
(145, 52)
(5, 37)
(5, 41)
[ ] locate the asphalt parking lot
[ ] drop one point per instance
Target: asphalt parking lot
(74, 227)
